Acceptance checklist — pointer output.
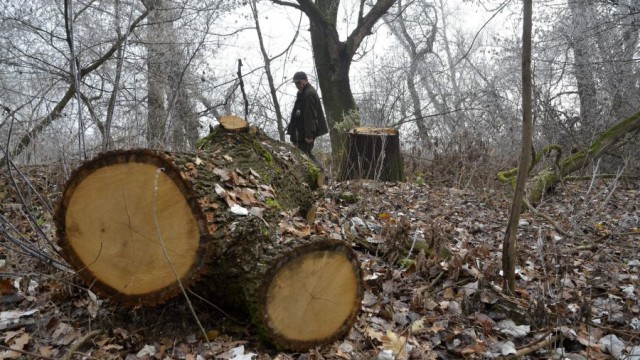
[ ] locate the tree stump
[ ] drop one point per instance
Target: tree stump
(373, 153)
(226, 221)
(234, 123)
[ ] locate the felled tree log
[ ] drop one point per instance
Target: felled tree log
(373, 153)
(138, 225)
(547, 178)
(128, 219)
(298, 292)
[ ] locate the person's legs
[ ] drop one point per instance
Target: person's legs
(306, 148)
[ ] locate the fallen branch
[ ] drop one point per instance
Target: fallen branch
(548, 218)
(543, 343)
(547, 178)
(616, 331)
(74, 349)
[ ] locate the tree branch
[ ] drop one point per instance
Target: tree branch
(364, 27)
(45, 121)
(286, 3)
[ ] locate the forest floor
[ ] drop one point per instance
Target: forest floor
(432, 263)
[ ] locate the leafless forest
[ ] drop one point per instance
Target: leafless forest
(83, 77)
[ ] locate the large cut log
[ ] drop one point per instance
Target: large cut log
(298, 292)
(126, 217)
(373, 153)
(139, 225)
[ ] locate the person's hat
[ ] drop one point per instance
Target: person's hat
(299, 76)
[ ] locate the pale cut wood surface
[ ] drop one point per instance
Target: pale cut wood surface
(233, 123)
(110, 224)
(312, 296)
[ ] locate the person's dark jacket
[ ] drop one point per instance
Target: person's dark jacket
(307, 117)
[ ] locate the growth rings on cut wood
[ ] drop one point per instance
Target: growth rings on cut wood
(120, 232)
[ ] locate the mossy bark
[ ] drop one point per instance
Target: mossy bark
(550, 176)
(278, 164)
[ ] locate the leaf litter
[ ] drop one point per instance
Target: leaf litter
(431, 259)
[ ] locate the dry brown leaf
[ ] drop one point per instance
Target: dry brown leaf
(18, 339)
(397, 344)
(246, 195)
(64, 334)
(449, 294)
(374, 334)
(6, 287)
(46, 351)
(288, 228)
(222, 173)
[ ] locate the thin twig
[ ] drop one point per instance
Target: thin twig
(545, 342)
(616, 331)
(546, 217)
(36, 356)
(435, 281)
(74, 349)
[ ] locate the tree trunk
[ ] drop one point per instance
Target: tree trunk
(160, 33)
(333, 67)
(583, 66)
(374, 154)
(509, 240)
(333, 59)
(141, 225)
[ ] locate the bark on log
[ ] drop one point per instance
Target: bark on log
(373, 153)
(547, 178)
(221, 218)
(298, 292)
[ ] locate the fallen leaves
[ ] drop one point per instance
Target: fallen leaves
(16, 340)
(448, 305)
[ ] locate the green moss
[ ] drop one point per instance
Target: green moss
(272, 203)
(204, 142)
(445, 254)
(508, 176)
(265, 232)
(314, 174)
(348, 197)
(540, 182)
(421, 245)
(406, 263)
(266, 155)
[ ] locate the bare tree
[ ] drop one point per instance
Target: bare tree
(417, 36)
(42, 56)
(333, 57)
(172, 117)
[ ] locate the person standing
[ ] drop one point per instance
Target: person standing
(307, 117)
